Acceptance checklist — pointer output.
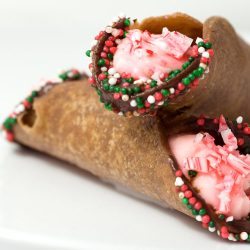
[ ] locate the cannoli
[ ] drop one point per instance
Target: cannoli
(141, 67)
(170, 165)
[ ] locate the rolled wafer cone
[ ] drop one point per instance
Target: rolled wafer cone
(69, 123)
(223, 89)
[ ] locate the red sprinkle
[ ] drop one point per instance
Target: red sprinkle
(184, 188)
(113, 50)
(109, 43)
(105, 49)
(198, 205)
(192, 200)
(26, 104)
(178, 173)
(246, 130)
(102, 76)
(147, 104)
(141, 110)
(216, 121)
(205, 219)
(240, 141)
(117, 96)
(188, 194)
(211, 52)
(201, 122)
(10, 136)
(204, 60)
(91, 80)
(158, 96)
(104, 55)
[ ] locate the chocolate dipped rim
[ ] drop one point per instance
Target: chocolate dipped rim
(27, 104)
(226, 227)
(141, 98)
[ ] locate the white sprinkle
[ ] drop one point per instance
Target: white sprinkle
(178, 182)
(103, 69)
(151, 99)
(109, 29)
(198, 218)
(125, 98)
(160, 103)
(230, 218)
(181, 195)
(117, 75)
(198, 40)
(140, 81)
(19, 109)
(205, 54)
(118, 41)
(120, 113)
(207, 70)
(148, 81)
(201, 50)
(135, 113)
(112, 81)
(211, 229)
(112, 71)
(244, 235)
(171, 90)
(115, 32)
(203, 65)
(122, 15)
(239, 119)
(133, 103)
(231, 237)
(94, 42)
(218, 232)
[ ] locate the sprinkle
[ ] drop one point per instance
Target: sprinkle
(109, 29)
(244, 235)
(151, 99)
(181, 195)
(112, 81)
(112, 71)
(230, 218)
(103, 69)
(198, 40)
(205, 54)
(178, 181)
(171, 90)
(133, 103)
(198, 218)
(211, 229)
(117, 75)
(239, 119)
(231, 237)
(125, 98)
(201, 50)
(203, 65)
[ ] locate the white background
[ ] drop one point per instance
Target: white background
(44, 203)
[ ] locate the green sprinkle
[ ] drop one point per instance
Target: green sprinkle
(153, 83)
(130, 80)
(105, 81)
(165, 92)
(88, 53)
(185, 200)
(108, 106)
(124, 91)
(111, 88)
(201, 44)
(137, 89)
(98, 92)
(125, 34)
(29, 99)
(221, 216)
(110, 56)
(140, 105)
(186, 81)
(208, 45)
(211, 224)
(34, 93)
(248, 238)
(185, 65)
(63, 76)
(106, 86)
(202, 211)
(139, 100)
(192, 173)
(126, 22)
(117, 89)
(189, 206)
(190, 59)
(191, 76)
(101, 62)
(195, 212)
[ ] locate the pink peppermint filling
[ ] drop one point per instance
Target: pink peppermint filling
(144, 55)
(223, 178)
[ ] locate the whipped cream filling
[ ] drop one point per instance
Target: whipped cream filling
(223, 174)
(144, 55)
